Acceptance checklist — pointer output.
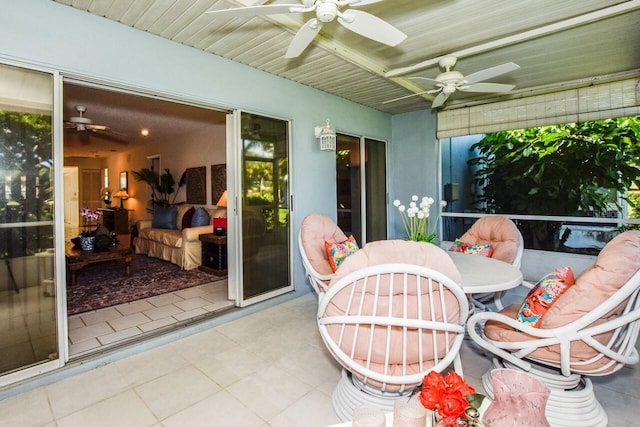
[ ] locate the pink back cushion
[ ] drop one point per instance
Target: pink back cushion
(387, 252)
(498, 230)
(616, 263)
(317, 229)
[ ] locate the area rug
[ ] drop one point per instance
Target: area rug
(105, 285)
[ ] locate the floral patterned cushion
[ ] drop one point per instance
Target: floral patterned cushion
(543, 295)
(467, 248)
(338, 252)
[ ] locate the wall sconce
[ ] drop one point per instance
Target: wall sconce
(327, 137)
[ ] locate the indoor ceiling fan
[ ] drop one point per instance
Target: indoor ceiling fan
(448, 82)
(359, 22)
(85, 127)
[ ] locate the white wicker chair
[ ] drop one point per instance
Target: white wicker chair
(504, 235)
(314, 231)
(390, 324)
(598, 340)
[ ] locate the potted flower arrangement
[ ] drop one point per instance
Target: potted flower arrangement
(453, 401)
(416, 217)
(89, 222)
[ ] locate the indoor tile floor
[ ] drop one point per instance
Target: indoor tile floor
(102, 328)
(269, 368)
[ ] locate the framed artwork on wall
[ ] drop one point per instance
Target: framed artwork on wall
(197, 185)
(218, 181)
(124, 181)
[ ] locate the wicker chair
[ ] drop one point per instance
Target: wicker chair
(317, 229)
(591, 330)
(393, 312)
(508, 246)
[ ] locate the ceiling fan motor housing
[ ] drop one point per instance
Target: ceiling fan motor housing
(326, 12)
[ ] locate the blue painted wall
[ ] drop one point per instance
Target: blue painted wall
(58, 37)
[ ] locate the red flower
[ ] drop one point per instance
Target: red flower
(446, 395)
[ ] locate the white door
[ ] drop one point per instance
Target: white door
(71, 204)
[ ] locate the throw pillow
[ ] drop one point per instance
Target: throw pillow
(468, 248)
(338, 252)
(200, 218)
(164, 217)
(543, 295)
(188, 217)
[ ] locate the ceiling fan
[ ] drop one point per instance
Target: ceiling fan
(359, 22)
(84, 125)
(449, 81)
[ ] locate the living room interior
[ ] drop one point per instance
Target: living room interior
(165, 69)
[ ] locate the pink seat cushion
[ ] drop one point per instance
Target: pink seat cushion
(386, 252)
(618, 261)
(500, 231)
(317, 229)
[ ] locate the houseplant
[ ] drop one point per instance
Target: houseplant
(89, 223)
(416, 218)
(162, 186)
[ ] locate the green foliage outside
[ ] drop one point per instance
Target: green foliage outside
(25, 154)
(566, 170)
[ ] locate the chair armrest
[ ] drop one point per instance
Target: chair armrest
(144, 223)
(191, 234)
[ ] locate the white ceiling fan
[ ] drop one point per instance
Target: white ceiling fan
(449, 81)
(84, 125)
(358, 21)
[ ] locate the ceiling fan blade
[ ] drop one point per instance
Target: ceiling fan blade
(426, 81)
(372, 27)
(489, 73)
(439, 100)
(303, 38)
(405, 97)
(486, 87)
(109, 136)
(359, 3)
(270, 9)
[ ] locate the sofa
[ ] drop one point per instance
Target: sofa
(173, 234)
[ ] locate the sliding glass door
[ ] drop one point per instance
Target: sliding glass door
(265, 204)
(28, 315)
(361, 187)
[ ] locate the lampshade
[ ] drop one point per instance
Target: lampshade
(222, 202)
(122, 195)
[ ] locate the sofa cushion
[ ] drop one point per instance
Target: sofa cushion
(172, 238)
(185, 214)
(164, 218)
(200, 218)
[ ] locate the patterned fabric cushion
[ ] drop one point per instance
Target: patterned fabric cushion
(467, 248)
(338, 252)
(543, 295)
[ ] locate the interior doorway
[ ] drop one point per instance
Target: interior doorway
(71, 203)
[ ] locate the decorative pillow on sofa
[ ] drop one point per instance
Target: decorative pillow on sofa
(467, 248)
(164, 217)
(543, 295)
(338, 252)
(200, 217)
(187, 218)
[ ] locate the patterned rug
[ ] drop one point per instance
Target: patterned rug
(104, 284)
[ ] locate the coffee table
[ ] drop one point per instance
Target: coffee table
(77, 258)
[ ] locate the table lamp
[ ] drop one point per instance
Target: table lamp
(222, 202)
(122, 195)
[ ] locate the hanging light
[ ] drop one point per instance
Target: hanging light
(327, 137)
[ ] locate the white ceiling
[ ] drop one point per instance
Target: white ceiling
(557, 43)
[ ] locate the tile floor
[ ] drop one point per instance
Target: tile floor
(102, 328)
(268, 368)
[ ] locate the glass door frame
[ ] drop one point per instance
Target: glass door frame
(234, 211)
(58, 230)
